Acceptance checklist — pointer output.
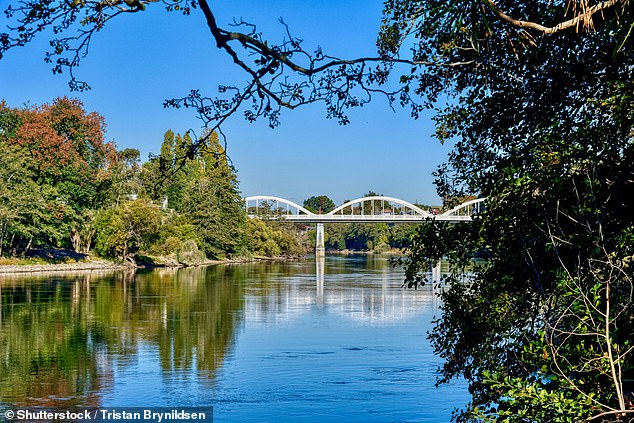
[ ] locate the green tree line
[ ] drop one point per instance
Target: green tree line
(64, 186)
(368, 236)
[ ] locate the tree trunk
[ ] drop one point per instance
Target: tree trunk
(75, 239)
(2, 231)
(11, 242)
(81, 234)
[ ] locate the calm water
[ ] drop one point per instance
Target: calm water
(264, 342)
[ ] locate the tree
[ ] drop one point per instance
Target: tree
(124, 230)
(211, 200)
(335, 236)
(286, 75)
(265, 240)
(25, 215)
(401, 235)
(365, 236)
(203, 188)
(164, 176)
(123, 182)
(319, 204)
(68, 157)
(542, 333)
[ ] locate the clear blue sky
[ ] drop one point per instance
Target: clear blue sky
(141, 59)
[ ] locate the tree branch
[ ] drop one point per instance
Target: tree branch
(585, 17)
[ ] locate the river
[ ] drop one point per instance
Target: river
(302, 341)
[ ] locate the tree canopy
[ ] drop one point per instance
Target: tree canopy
(319, 204)
(543, 127)
(452, 38)
(60, 162)
(62, 185)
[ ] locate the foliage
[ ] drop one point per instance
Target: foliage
(177, 240)
(27, 211)
(62, 135)
(266, 240)
(368, 236)
(205, 209)
(140, 227)
(400, 236)
(206, 191)
(126, 229)
(286, 75)
(164, 176)
(202, 186)
(64, 186)
(63, 152)
(216, 212)
(541, 112)
(542, 333)
(124, 179)
(319, 204)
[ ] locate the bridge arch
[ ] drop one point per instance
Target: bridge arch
(468, 208)
(398, 201)
(278, 200)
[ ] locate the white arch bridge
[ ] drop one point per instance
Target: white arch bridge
(372, 209)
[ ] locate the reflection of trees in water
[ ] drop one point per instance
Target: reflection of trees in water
(56, 333)
(49, 357)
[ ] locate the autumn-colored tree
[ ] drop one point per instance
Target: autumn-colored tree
(65, 151)
(63, 134)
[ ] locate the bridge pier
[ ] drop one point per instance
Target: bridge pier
(320, 248)
(435, 273)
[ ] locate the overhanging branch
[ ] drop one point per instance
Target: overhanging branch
(584, 16)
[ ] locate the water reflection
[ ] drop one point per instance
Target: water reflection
(320, 263)
(361, 288)
(257, 341)
(61, 337)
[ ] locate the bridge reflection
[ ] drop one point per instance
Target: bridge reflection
(373, 297)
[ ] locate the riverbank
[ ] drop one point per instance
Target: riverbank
(62, 267)
(62, 263)
(60, 260)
